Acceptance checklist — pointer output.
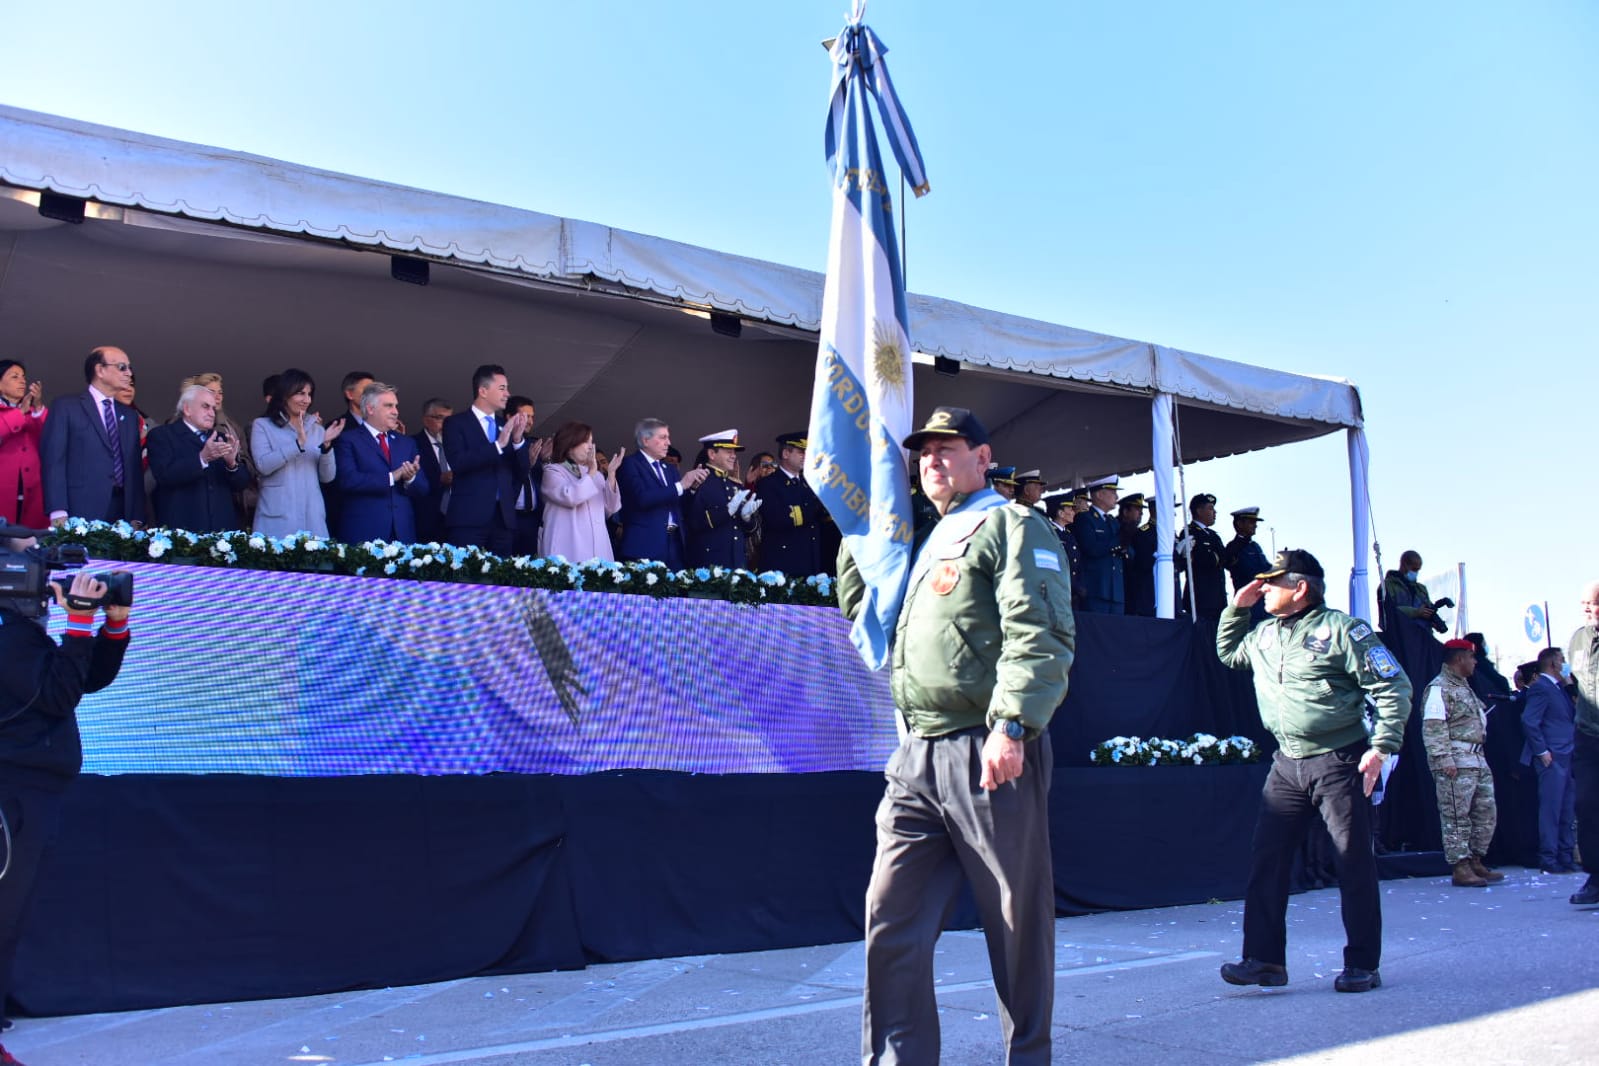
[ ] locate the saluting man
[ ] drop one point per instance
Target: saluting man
(721, 513)
(791, 515)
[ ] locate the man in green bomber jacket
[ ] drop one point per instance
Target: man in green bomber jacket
(981, 652)
(1314, 668)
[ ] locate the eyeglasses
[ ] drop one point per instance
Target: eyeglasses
(766, 465)
(121, 368)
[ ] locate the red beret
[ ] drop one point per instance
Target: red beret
(1459, 645)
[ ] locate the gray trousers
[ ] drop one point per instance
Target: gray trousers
(935, 826)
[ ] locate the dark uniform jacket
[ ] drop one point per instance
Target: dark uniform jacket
(791, 524)
(1244, 558)
(1138, 570)
(1210, 583)
(1098, 537)
(715, 536)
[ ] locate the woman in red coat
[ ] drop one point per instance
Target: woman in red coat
(22, 415)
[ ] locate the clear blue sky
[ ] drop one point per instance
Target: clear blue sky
(1398, 194)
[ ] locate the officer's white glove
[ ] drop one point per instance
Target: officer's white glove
(1182, 548)
(751, 507)
(737, 501)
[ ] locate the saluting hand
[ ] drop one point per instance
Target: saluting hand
(1250, 594)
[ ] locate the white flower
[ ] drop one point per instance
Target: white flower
(650, 579)
(157, 549)
(487, 566)
(258, 542)
(313, 545)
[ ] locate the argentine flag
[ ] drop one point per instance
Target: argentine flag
(861, 401)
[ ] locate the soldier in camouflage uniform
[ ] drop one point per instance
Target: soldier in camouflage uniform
(1454, 725)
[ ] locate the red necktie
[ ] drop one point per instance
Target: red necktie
(383, 442)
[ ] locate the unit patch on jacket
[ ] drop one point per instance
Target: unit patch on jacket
(944, 578)
(1382, 661)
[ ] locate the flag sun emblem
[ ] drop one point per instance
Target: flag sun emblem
(888, 358)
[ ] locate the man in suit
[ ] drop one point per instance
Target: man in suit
(380, 473)
(1549, 721)
(89, 453)
(1098, 536)
(1584, 654)
(791, 515)
(196, 467)
(652, 515)
(435, 468)
(354, 383)
(530, 483)
(487, 453)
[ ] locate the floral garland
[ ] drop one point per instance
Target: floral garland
(1201, 749)
(118, 541)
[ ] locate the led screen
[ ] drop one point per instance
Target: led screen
(318, 675)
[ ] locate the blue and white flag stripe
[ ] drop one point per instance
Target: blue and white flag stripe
(861, 403)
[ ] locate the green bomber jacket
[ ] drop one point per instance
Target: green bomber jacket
(1313, 673)
(986, 630)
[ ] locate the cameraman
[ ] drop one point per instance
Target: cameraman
(1405, 596)
(41, 683)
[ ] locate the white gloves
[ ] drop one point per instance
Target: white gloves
(750, 507)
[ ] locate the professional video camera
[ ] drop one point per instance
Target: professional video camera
(25, 581)
(1438, 624)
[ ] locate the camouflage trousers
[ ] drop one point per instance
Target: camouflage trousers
(1466, 809)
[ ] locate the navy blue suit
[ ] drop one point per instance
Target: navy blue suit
(371, 508)
(649, 507)
(188, 495)
(429, 508)
(1548, 719)
(1098, 535)
(482, 508)
(76, 464)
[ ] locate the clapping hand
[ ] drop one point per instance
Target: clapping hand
(214, 448)
(407, 470)
(33, 399)
(333, 431)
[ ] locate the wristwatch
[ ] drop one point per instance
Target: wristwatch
(1011, 728)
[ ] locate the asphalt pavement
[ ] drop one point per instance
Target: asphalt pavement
(1504, 975)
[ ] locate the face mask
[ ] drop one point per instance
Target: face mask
(1411, 575)
(1565, 669)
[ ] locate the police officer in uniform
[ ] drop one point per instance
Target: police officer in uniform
(721, 512)
(1099, 537)
(1243, 557)
(1204, 547)
(1454, 725)
(979, 663)
(1313, 668)
(1061, 516)
(791, 515)
(1138, 569)
(1002, 479)
(1029, 487)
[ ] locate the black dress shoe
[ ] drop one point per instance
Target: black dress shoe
(1251, 972)
(1588, 894)
(1354, 979)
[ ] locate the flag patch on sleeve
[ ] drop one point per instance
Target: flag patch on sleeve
(1360, 632)
(1382, 662)
(1046, 560)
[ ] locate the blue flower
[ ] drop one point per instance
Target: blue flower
(703, 574)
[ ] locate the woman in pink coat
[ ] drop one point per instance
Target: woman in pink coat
(577, 497)
(22, 415)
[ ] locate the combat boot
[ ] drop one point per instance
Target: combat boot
(1466, 877)
(1480, 868)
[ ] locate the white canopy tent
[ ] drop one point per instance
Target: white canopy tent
(194, 258)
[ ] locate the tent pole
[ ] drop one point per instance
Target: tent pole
(1160, 409)
(1362, 524)
(1188, 519)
